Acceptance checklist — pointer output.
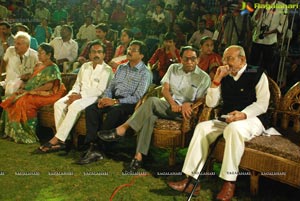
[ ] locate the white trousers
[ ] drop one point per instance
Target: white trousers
(235, 134)
(66, 116)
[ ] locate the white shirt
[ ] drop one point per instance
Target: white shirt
(87, 32)
(92, 82)
(274, 19)
(186, 87)
(62, 50)
(258, 107)
(15, 68)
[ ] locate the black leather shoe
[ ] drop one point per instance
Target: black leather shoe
(134, 166)
(89, 157)
(109, 135)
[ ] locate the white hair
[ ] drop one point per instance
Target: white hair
(24, 35)
(239, 48)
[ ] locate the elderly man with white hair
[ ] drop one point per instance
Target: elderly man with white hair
(244, 90)
(19, 61)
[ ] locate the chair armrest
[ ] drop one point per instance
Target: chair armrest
(197, 103)
(152, 91)
(188, 124)
(206, 114)
(209, 113)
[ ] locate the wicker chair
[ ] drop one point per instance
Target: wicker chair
(274, 157)
(173, 134)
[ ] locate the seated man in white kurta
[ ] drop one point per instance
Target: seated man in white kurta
(92, 80)
(19, 61)
(245, 93)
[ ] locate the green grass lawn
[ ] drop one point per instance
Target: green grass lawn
(98, 181)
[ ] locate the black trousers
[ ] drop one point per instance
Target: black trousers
(115, 116)
(264, 56)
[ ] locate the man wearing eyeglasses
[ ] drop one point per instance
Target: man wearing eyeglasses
(92, 80)
(182, 84)
(245, 94)
(129, 84)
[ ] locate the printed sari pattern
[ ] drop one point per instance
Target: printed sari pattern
(19, 117)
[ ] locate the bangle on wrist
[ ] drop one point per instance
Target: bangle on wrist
(216, 83)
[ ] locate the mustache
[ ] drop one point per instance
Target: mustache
(96, 58)
(129, 54)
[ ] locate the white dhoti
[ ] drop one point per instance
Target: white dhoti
(235, 134)
(66, 116)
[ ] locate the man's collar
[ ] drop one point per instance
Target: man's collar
(69, 41)
(137, 66)
(239, 73)
(26, 53)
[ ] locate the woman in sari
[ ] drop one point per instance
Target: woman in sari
(209, 61)
(44, 87)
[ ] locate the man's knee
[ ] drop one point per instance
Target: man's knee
(91, 109)
(115, 112)
(202, 128)
(151, 101)
(74, 107)
(59, 105)
(232, 129)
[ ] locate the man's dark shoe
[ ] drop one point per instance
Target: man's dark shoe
(89, 157)
(182, 186)
(109, 135)
(227, 191)
(134, 166)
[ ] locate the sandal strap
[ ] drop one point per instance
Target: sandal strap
(52, 147)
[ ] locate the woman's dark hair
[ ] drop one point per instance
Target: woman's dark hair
(170, 36)
(48, 49)
(183, 49)
(204, 39)
(128, 32)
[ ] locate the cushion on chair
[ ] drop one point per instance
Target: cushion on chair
(165, 124)
(286, 146)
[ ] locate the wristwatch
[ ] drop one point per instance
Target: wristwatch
(116, 101)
